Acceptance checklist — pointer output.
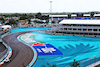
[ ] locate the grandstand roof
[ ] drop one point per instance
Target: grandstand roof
(73, 15)
(58, 15)
(96, 14)
(86, 14)
(6, 26)
(86, 22)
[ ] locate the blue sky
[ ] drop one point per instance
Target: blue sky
(27, 6)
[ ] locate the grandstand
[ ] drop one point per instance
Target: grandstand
(82, 16)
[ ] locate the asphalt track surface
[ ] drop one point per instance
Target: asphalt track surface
(22, 55)
(2, 48)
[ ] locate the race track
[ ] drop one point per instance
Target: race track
(22, 54)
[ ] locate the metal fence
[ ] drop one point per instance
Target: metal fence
(37, 25)
(5, 53)
(83, 63)
(90, 61)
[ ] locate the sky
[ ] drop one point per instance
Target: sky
(34, 6)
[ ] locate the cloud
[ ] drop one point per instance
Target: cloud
(44, 5)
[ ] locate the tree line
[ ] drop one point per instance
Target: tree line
(29, 16)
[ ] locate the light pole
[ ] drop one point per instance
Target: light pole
(50, 21)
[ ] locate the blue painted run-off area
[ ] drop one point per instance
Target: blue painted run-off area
(47, 50)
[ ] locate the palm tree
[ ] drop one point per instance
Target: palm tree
(92, 14)
(75, 64)
(43, 66)
(12, 21)
(49, 65)
(3, 20)
(53, 65)
(69, 16)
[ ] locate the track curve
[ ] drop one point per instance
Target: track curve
(22, 55)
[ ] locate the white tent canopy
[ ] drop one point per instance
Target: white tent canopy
(86, 22)
(96, 14)
(6, 26)
(86, 14)
(58, 15)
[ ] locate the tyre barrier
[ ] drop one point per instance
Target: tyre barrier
(6, 57)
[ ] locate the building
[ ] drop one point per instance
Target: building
(80, 16)
(83, 16)
(87, 15)
(78, 27)
(73, 16)
(21, 22)
(57, 18)
(9, 18)
(96, 16)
